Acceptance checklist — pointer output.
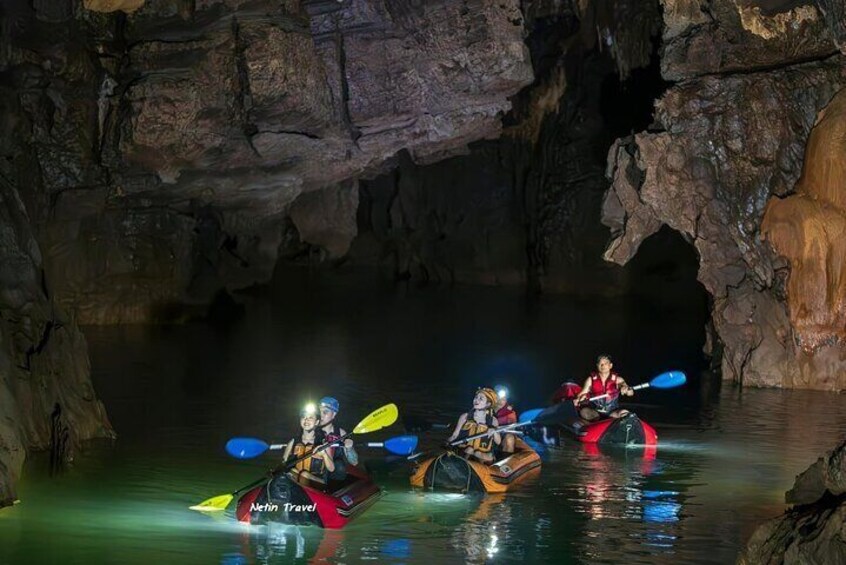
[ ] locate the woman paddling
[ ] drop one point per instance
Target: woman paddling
(315, 470)
(479, 420)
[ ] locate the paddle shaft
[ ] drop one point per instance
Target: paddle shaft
(606, 395)
(315, 451)
(292, 464)
(491, 431)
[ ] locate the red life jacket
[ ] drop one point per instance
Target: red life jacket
(506, 415)
(567, 391)
(610, 387)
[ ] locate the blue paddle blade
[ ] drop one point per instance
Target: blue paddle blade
(670, 379)
(245, 447)
(401, 445)
(530, 415)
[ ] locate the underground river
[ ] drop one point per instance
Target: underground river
(176, 394)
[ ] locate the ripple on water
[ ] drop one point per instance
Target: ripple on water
(723, 465)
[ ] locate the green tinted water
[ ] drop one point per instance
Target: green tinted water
(176, 394)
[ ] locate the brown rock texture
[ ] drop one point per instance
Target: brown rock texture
(127, 6)
(164, 149)
(719, 36)
(812, 531)
(723, 144)
(730, 143)
(809, 228)
(46, 397)
(523, 209)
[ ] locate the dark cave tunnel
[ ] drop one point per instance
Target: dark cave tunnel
(220, 212)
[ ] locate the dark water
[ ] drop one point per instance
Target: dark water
(176, 394)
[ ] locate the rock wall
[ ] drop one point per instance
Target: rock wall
(729, 136)
(46, 397)
(156, 153)
(524, 209)
(812, 531)
(163, 149)
(809, 228)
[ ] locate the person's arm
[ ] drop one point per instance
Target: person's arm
(584, 393)
(512, 417)
(349, 449)
(625, 389)
(327, 459)
(496, 435)
(288, 449)
(458, 426)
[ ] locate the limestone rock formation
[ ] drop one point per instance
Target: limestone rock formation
(719, 36)
(722, 145)
(46, 397)
(812, 531)
(809, 228)
(524, 209)
(170, 143)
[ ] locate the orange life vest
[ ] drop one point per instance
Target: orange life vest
(471, 427)
(313, 465)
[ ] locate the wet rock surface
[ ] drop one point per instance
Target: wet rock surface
(812, 531)
(724, 36)
(809, 228)
(46, 397)
(725, 143)
(524, 209)
(164, 145)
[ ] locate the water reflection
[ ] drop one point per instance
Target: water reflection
(632, 512)
(282, 543)
(479, 536)
(724, 460)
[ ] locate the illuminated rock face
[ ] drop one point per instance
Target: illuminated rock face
(812, 531)
(723, 145)
(155, 152)
(46, 397)
(127, 6)
(720, 36)
(169, 152)
(809, 228)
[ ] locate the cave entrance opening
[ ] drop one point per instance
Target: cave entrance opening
(661, 283)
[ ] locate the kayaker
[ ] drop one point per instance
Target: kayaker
(313, 471)
(477, 421)
(505, 415)
(329, 408)
(602, 381)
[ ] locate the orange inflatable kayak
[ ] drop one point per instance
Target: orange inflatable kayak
(450, 471)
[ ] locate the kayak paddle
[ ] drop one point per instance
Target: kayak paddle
(399, 445)
(670, 379)
(380, 418)
(250, 447)
(537, 416)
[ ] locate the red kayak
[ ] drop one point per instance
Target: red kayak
(286, 501)
(628, 430)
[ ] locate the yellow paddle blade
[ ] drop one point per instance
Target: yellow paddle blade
(378, 419)
(214, 504)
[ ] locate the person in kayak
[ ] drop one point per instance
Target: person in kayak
(312, 471)
(505, 415)
(602, 381)
(479, 420)
(329, 407)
